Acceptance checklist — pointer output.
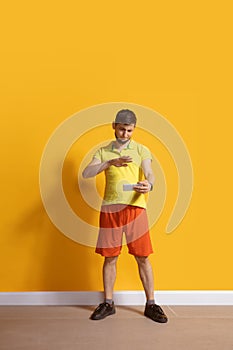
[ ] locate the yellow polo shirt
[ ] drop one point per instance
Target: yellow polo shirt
(117, 176)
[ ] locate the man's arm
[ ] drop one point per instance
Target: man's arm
(146, 185)
(96, 166)
(148, 172)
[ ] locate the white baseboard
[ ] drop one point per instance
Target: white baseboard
(120, 298)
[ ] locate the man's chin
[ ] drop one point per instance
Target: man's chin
(122, 141)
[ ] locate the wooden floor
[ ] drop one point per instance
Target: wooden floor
(69, 328)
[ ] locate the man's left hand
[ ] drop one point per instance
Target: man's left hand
(142, 186)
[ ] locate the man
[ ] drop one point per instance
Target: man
(129, 176)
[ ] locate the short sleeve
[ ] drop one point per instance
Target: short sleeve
(98, 154)
(145, 153)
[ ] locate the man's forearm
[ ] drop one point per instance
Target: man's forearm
(93, 170)
(150, 178)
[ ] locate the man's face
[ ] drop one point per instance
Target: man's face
(123, 131)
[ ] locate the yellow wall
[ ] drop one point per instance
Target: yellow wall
(58, 58)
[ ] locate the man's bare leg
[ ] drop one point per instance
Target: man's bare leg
(146, 275)
(107, 308)
(109, 276)
(152, 311)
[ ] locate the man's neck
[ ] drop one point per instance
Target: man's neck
(121, 145)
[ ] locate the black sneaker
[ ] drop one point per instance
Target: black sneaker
(155, 313)
(102, 311)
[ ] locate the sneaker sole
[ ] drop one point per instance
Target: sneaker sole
(165, 320)
(102, 317)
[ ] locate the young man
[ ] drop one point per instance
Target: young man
(125, 163)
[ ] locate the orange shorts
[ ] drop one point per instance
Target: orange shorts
(118, 218)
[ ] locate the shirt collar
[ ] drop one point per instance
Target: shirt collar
(130, 145)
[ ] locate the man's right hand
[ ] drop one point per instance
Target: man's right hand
(121, 161)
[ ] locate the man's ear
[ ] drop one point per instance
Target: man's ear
(114, 125)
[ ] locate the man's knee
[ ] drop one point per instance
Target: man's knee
(110, 260)
(142, 260)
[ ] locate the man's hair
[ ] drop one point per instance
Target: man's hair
(125, 116)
